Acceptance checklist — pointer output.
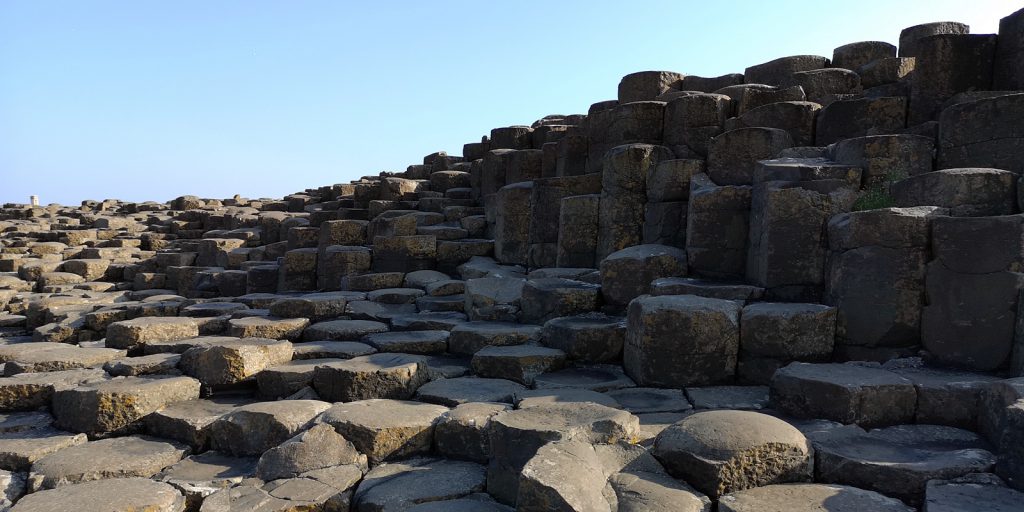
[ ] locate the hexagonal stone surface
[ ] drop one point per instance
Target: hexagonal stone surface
(395, 376)
(234, 360)
(470, 337)
(48, 357)
(947, 397)
(19, 449)
(386, 429)
(199, 476)
(753, 398)
(189, 421)
(972, 492)
(898, 461)
(650, 400)
(109, 406)
(409, 342)
(725, 451)
(330, 349)
(517, 435)
(116, 495)
(314, 306)
(129, 334)
(461, 390)
(266, 327)
(520, 363)
(342, 330)
(845, 393)
(255, 428)
(598, 377)
(792, 497)
(462, 433)
(591, 337)
(119, 457)
(563, 396)
(434, 320)
(399, 485)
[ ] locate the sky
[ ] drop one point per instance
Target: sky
(149, 100)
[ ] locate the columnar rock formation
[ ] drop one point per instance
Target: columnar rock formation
(793, 288)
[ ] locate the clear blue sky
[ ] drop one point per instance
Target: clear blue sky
(148, 100)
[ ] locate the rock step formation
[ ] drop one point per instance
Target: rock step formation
(792, 288)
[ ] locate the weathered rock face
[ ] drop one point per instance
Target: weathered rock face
(719, 452)
(623, 194)
(664, 304)
(684, 340)
(973, 287)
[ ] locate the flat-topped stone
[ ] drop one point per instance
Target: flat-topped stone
(651, 400)
(591, 337)
(342, 330)
(112, 405)
(198, 476)
(20, 449)
(468, 338)
(792, 497)
(845, 393)
(382, 375)
(119, 457)
(47, 357)
(232, 361)
(520, 363)
(267, 327)
(129, 334)
(115, 494)
(385, 429)
(400, 485)
(410, 342)
(596, 377)
(189, 421)
(255, 428)
(899, 461)
(462, 390)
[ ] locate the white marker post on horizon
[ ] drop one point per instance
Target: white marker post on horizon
(34, 200)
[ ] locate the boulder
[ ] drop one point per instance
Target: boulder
(719, 452)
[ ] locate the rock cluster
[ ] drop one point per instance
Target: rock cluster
(795, 288)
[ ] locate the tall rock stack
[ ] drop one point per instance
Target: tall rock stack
(793, 288)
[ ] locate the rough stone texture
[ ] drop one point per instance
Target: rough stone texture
(719, 452)
(120, 457)
(733, 155)
(972, 287)
(899, 461)
(845, 393)
(395, 376)
(385, 429)
(116, 494)
(109, 406)
(623, 193)
(717, 226)
(516, 436)
(235, 360)
(786, 497)
(965, 192)
(591, 337)
(627, 273)
(676, 341)
(255, 428)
